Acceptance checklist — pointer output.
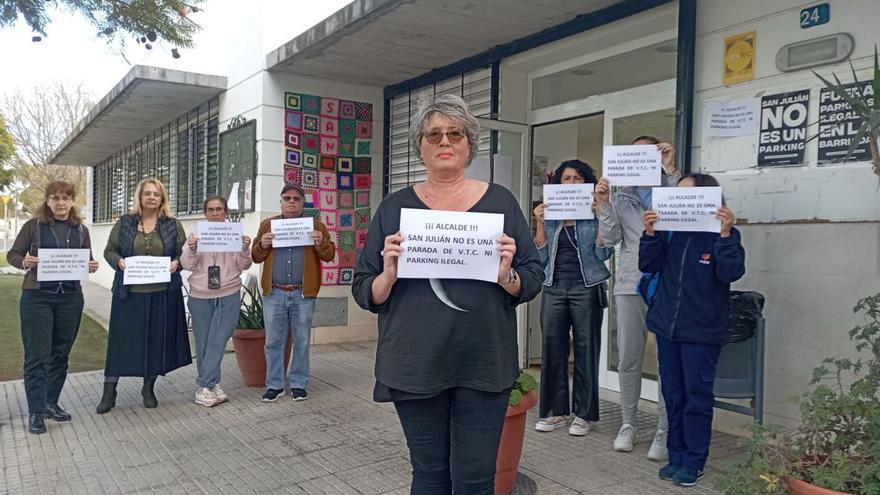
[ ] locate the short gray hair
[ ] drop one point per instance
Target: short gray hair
(450, 106)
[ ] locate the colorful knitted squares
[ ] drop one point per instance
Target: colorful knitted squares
(292, 175)
(330, 107)
(344, 164)
(311, 212)
(346, 147)
(311, 143)
(364, 130)
(310, 160)
(347, 259)
(346, 109)
(362, 147)
(311, 195)
(362, 218)
(328, 163)
(363, 111)
(347, 128)
(311, 104)
(328, 218)
(329, 145)
(328, 200)
(344, 180)
(346, 276)
(362, 181)
(292, 139)
(362, 199)
(346, 241)
(309, 178)
(362, 165)
(327, 180)
(346, 218)
(293, 120)
(345, 199)
(311, 123)
(292, 156)
(292, 101)
(329, 127)
(361, 238)
(329, 275)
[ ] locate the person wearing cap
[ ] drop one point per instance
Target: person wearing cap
(290, 282)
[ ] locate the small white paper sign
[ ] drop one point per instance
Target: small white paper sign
(232, 200)
(219, 237)
(62, 264)
(248, 188)
(293, 231)
(449, 244)
(568, 201)
(686, 209)
(632, 165)
(731, 118)
(140, 270)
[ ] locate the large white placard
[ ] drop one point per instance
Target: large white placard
(219, 237)
(731, 118)
(140, 270)
(62, 264)
(568, 201)
(632, 165)
(292, 231)
(449, 244)
(686, 209)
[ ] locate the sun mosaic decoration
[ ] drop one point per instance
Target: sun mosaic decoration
(327, 148)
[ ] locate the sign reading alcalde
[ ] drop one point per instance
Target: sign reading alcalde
(62, 264)
(141, 270)
(838, 125)
(568, 201)
(686, 209)
(783, 136)
(292, 231)
(731, 118)
(219, 237)
(632, 165)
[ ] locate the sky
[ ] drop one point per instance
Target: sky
(72, 52)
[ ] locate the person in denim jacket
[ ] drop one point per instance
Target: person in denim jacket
(574, 271)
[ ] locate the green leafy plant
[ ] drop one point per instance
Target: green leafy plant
(250, 316)
(524, 383)
(837, 445)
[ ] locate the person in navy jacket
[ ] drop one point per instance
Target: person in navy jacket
(688, 316)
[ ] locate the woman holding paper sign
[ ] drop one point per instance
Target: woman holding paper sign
(447, 353)
(214, 302)
(147, 335)
(688, 315)
(573, 299)
(50, 311)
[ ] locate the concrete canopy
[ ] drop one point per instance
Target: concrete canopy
(382, 42)
(144, 100)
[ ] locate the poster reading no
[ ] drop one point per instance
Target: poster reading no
(568, 201)
(62, 264)
(449, 244)
(293, 232)
(219, 237)
(783, 136)
(838, 125)
(686, 209)
(141, 270)
(632, 165)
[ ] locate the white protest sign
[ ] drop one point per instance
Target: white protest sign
(568, 201)
(232, 202)
(449, 244)
(731, 118)
(686, 209)
(141, 270)
(292, 231)
(219, 237)
(62, 264)
(632, 165)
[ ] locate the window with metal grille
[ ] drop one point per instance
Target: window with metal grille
(403, 167)
(183, 154)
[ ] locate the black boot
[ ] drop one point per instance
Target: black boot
(54, 411)
(108, 400)
(36, 424)
(150, 400)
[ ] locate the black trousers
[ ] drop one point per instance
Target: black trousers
(564, 306)
(49, 325)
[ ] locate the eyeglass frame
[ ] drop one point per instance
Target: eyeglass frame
(60, 199)
(452, 140)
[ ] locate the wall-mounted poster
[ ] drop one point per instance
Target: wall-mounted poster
(739, 58)
(783, 135)
(328, 145)
(838, 125)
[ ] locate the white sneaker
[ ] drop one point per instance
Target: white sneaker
(551, 423)
(658, 451)
(626, 438)
(579, 427)
(206, 397)
(220, 394)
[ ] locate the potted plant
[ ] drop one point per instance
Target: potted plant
(836, 449)
(249, 339)
(522, 398)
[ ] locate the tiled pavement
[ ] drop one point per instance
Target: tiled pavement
(337, 442)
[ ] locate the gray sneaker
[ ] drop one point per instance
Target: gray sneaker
(299, 393)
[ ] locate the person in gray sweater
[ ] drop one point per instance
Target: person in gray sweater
(620, 221)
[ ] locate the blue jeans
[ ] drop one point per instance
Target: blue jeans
(453, 440)
(283, 312)
(213, 321)
(687, 380)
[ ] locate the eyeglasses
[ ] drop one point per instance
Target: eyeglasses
(291, 199)
(155, 194)
(434, 136)
(219, 209)
(60, 199)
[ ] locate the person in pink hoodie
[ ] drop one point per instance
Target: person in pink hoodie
(214, 302)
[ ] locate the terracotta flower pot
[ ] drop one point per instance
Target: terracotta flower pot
(510, 448)
(798, 487)
(248, 344)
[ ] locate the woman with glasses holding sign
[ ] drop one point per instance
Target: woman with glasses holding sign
(147, 335)
(574, 299)
(447, 354)
(51, 309)
(214, 300)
